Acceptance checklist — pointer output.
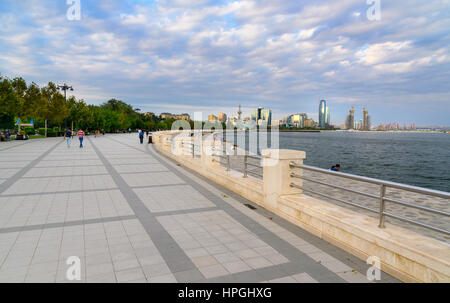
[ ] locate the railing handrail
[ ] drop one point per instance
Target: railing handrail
(381, 196)
(416, 189)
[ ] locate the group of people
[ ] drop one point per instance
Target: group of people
(69, 135)
(5, 136)
(98, 132)
(141, 135)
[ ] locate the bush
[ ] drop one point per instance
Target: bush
(50, 132)
(30, 131)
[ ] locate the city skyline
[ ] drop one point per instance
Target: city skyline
(172, 56)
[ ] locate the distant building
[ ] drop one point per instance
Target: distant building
(223, 117)
(165, 116)
(262, 115)
(149, 114)
(183, 117)
(297, 120)
(212, 118)
(309, 123)
(366, 120)
(323, 114)
(350, 121)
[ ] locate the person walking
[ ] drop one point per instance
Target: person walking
(81, 137)
(68, 137)
(141, 136)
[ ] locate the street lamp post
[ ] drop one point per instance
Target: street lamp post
(65, 88)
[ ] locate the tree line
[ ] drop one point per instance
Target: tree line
(47, 105)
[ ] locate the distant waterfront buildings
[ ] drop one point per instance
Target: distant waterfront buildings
(262, 115)
(362, 124)
(309, 123)
(165, 116)
(350, 121)
(223, 117)
(297, 120)
(324, 114)
(212, 118)
(366, 120)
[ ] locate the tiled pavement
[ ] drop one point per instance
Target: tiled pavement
(131, 215)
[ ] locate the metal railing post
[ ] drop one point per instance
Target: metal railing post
(228, 163)
(245, 166)
(193, 149)
(382, 202)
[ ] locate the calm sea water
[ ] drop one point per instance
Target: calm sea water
(420, 159)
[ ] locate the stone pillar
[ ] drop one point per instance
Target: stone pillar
(177, 146)
(166, 141)
(207, 154)
(277, 174)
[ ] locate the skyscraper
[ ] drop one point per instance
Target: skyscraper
(322, 113)
(262, 114)
(350, 122)
(366, 120)
(327, 117)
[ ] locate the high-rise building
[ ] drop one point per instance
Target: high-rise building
(350, 122)
(262, 115)
(322, 113)
(366, 120)
(223, 117)
(327, 117)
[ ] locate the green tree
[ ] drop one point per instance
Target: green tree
(54, 107)
(9, 104)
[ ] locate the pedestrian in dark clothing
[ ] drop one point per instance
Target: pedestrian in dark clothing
(141, 136)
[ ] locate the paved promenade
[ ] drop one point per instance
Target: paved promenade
(131, 215)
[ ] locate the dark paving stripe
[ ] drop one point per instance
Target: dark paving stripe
(299, 262)
(173, 255)
(321, 244)
(184, 211)
(63, 224)
(5, 185)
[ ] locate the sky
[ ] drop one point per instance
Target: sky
(186, 56)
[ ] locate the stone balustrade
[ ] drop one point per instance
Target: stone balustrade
(408, 256)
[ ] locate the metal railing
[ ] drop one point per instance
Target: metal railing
(383, 185)
(190, 148)
(226, 160)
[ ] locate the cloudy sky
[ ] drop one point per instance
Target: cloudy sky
(211, 56)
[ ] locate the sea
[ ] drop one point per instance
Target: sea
(414, 158)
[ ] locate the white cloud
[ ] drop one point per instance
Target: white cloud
(270, 53)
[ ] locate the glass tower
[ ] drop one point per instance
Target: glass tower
(322, 113)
